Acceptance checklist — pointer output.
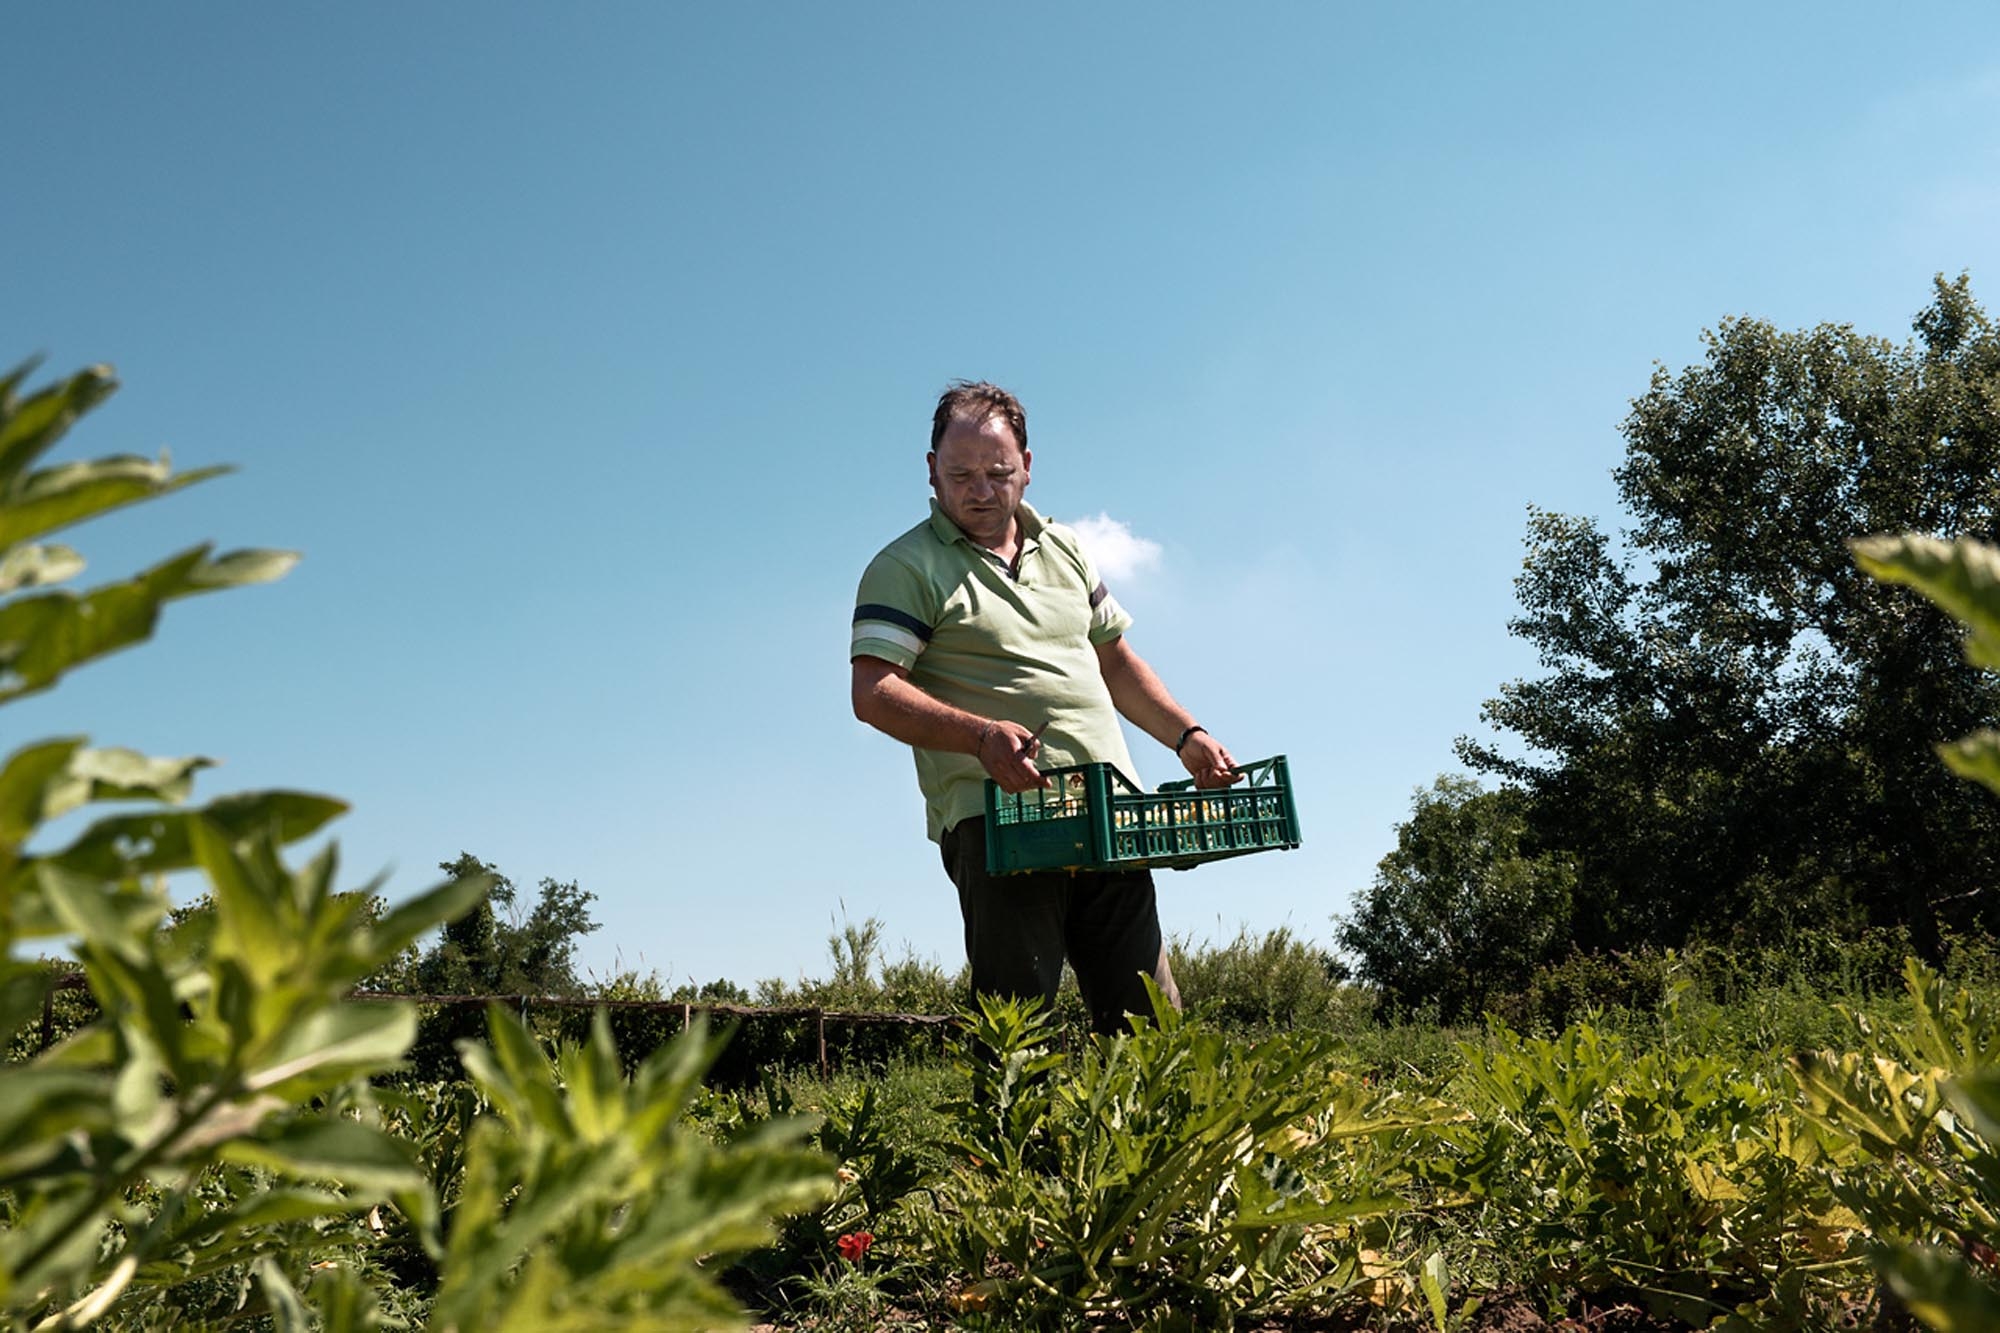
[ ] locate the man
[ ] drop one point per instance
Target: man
(984, 639)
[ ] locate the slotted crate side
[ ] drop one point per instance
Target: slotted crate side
(1041, 845)
(1092, 817)
(1206, 826)
(1048, 828)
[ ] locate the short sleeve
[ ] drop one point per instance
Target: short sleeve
(894, 612)
(1108, 620)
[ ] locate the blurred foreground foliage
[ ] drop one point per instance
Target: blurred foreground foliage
(209, 1145)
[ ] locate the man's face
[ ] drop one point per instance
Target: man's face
(979, 471)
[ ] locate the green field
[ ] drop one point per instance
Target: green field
(1773, 1116)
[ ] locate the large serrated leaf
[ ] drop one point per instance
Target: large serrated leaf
(38, 566)
(1306, 1212)
(30, 427)
(333, 1045)
(120, 774)
(24, 785)
(1840, 1097)
(159, 841)
(1976, 757)
(61, 497)
(358, 1156)
(1941, 1289)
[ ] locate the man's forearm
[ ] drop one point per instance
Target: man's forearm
(1144, 700)
(1138, 694)
(899, 709)
(885, 699)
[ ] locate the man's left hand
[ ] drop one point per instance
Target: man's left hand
(1208, 762)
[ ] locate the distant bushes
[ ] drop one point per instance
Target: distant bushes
(1272, 983)
(64, 1009)
(1253, 984)
(1811, 967)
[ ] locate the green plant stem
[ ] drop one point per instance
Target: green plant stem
(89, 1307)
(121, 1175)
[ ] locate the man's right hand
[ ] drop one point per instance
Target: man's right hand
(1007, 752)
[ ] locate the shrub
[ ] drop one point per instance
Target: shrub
(1933, 1108)
(1559, 994)
(1163, 1178)
(1666, 1175)
(1461, 911)
(1919, 1108)
(1270, 984)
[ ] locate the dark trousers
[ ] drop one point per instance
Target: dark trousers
(1019, 928)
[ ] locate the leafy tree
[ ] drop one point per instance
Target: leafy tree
(489, 952)
(719, 991)
(1459, 912)
(1735, 732)
(506, 952)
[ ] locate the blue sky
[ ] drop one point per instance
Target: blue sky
(587, 353)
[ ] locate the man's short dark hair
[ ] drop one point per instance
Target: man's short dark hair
(977, 401)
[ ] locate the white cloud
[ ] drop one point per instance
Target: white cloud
(1120, 556)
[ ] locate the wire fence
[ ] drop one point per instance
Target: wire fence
(680, 1013)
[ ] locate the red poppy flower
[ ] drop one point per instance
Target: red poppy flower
(854, 1245)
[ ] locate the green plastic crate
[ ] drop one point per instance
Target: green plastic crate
(1093, 817)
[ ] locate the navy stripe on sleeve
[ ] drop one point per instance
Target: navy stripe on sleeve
(890, 614)
(1097, 595)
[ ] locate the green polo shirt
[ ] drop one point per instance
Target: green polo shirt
(1017, 645)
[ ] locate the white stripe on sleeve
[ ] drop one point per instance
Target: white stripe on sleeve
(883, 630)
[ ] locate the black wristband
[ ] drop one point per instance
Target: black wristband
(1182, 742)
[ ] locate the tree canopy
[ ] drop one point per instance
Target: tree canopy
(1458, 912)
(502, 946)
(1737, 729)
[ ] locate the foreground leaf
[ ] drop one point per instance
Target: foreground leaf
(1961, 577)
(1941, 1289)
(363, 1159)
(162, 841)
(46, 635)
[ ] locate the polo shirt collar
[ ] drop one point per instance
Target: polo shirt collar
(948, 532)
